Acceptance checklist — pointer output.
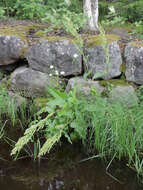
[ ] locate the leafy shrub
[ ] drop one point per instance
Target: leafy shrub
(138, 29)
(112, 18)
(132, 11)
(73, 6)
(30, 9)
(103, 10)
(37, 9)
(56, 16)
(2, 13)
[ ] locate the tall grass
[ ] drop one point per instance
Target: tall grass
(116, 131)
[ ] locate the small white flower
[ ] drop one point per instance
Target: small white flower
(7, 37)
(51, 66)
(56, 72)
(50, 74)
(62, 72)
(75, 55)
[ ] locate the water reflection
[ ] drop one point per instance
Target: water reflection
(62, 172)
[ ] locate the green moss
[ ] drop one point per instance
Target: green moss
(40, 33)
(123, 68)
(114, 82)
(58, 38)
(137, 44)
(99, 40)
(20, 30)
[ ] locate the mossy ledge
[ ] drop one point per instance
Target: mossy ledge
(21, 31)
(137, 44)
(115, 83)
(96, 40)
(57, 39)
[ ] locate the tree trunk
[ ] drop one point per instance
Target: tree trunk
(90, 8)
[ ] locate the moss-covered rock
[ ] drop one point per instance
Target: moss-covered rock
(114, 83)
(125, 95)
(96, 40)
(11, 49)
(103, 58)
(21, 31)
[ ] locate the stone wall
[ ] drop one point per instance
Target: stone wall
(55, 62)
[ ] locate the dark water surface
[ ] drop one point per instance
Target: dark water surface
(62, 171)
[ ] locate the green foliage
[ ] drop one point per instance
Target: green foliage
(138, 29)
(30, 9)
(62, 5)
(10, 110)
(37, 9)
(56, 123)
(103, 10)
(112, 18)
(6, 104)
(109, 129)
(2, 13)
(57, 18)
(131, 11)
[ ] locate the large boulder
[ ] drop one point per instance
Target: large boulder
(11, 49)
(134, 62)
(55, 57)
(31, 82)
(103, 62)
(83, 86)
(125, 95)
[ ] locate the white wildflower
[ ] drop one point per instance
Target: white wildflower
(51, 66)
(112, 9)
(75, 55)
(62, 72)
(56, 72)
(50, 74)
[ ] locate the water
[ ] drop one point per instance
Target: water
(63, 171)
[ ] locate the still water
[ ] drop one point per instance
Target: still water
(62, 170)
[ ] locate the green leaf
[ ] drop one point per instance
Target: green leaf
(57, 94)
